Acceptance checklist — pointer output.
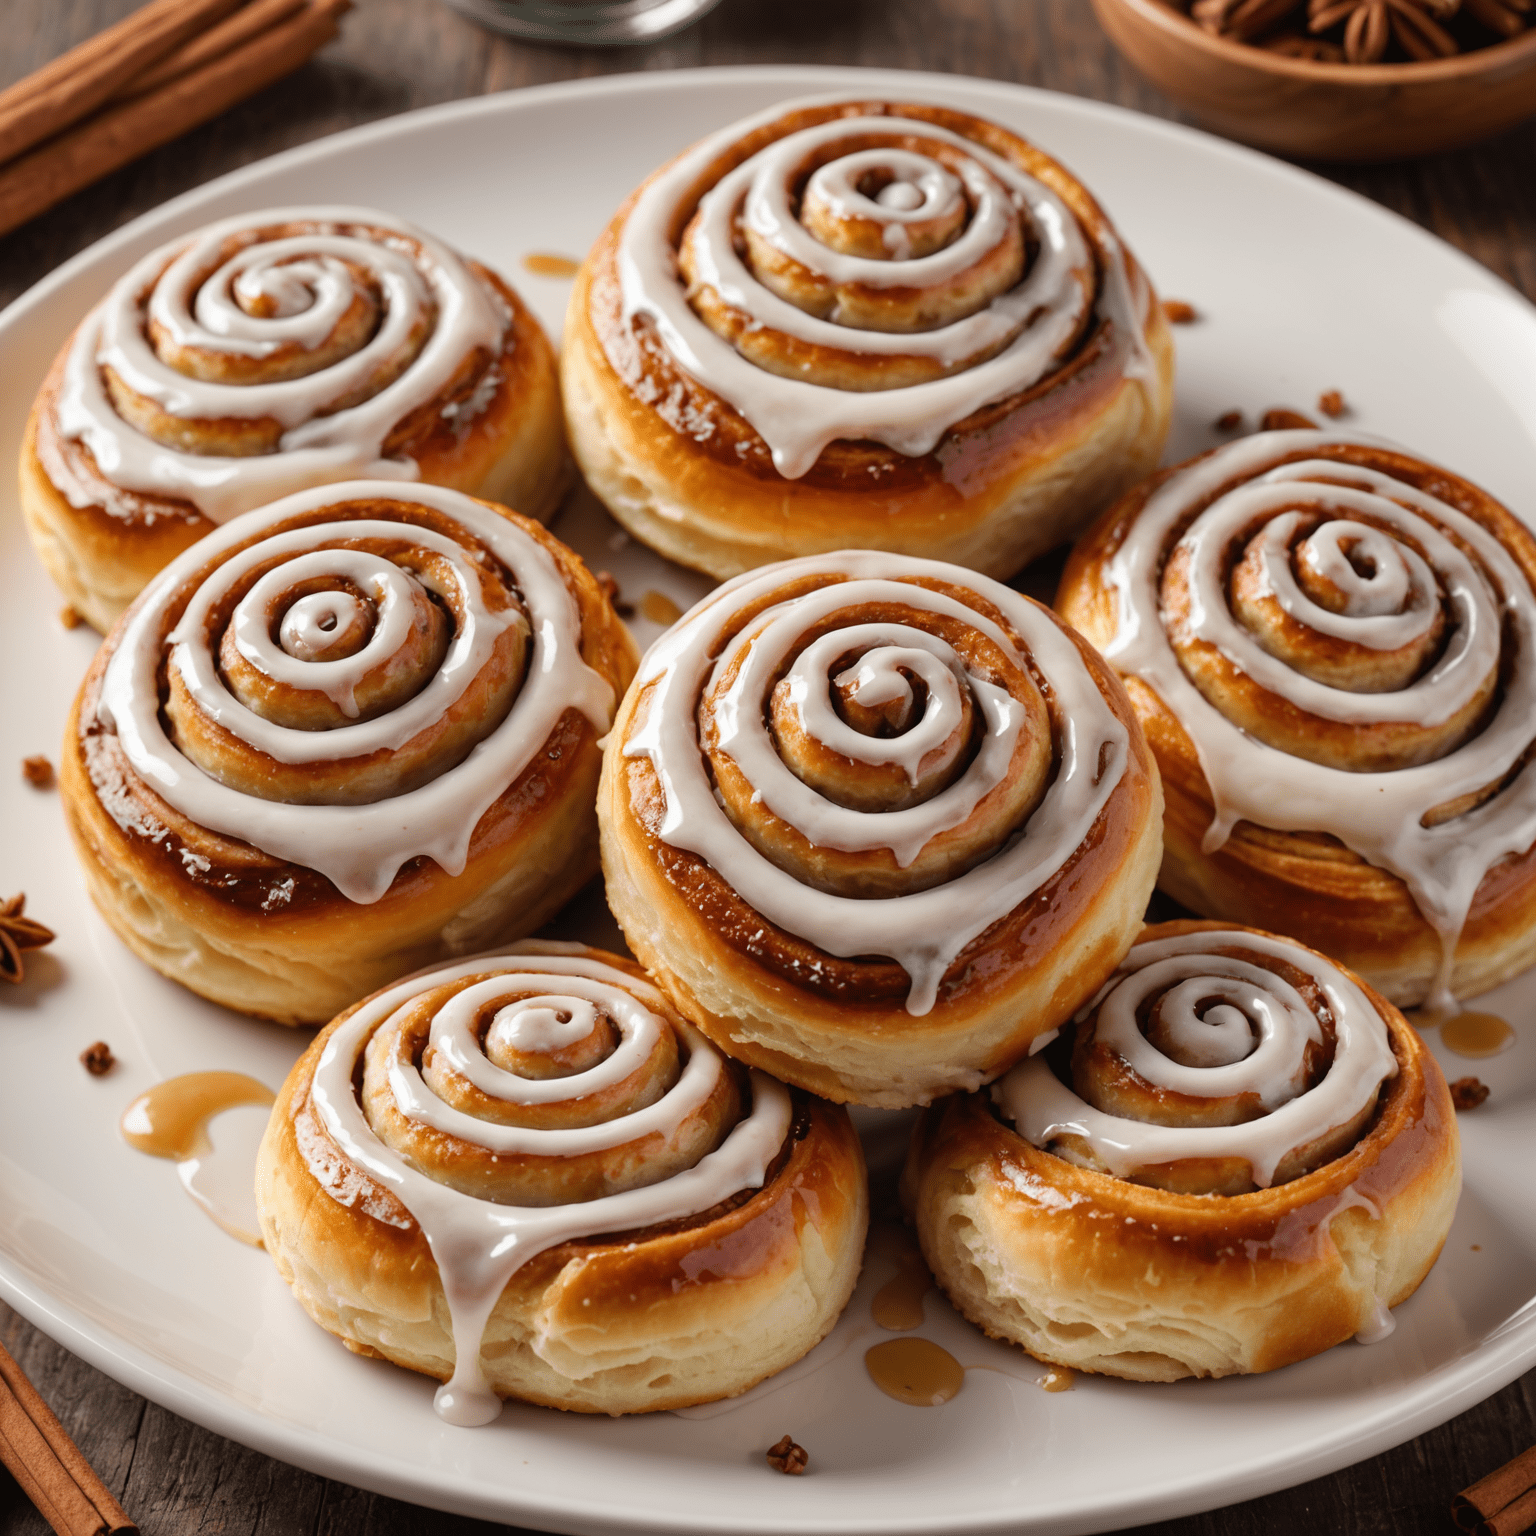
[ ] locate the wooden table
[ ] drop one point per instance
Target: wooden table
(177, 1479)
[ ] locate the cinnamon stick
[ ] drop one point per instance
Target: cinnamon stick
(233, 32)
(77, 82)
(1501, 1504)
(123, 132)
(48, 1464)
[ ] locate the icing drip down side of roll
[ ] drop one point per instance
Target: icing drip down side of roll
(275, 350)
(349, 678)
(880, 755)
(1349, 654)
(516, 1102)
(875, 276)
(1212, 1062)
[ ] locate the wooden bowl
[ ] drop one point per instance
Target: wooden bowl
(1318, 111)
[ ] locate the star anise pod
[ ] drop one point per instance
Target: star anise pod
(18, 933)
(1369, 25)
(1294, 46)
(1241, 20)
(1508, 18)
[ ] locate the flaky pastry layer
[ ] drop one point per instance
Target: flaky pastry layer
(272, 938)
(688, 475)
(1100, 1274)
(101, 542)
(1308, 884)
(636, 1322)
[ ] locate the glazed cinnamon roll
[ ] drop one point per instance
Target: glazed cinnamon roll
(1332, 648)
(876, 823)
(272, 352)
(1236, 1157)
(344, 736)
(863, 324)
(519, 1174)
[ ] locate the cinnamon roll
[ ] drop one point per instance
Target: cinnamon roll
(1332, 648)
(866, 324)
(269, 353)
(527, 1176)
(1236, 1157)
(342, 737)
(877, 822)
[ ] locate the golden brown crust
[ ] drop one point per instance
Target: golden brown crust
(265, 936)
(840, 1027)
(661, 1318)
(689, 475)
(1102, 1274)
(102, 542)
(1309, 884)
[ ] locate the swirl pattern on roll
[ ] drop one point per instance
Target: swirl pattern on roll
(880, 755)
(276, 350)
(874, 276)
(1348, 652)
(349, 678)
(516, 1102)
(1212, 1062)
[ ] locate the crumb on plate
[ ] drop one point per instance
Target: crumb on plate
(785, 1456)
(37, 771)
(1468, 1092)
(97, 1058)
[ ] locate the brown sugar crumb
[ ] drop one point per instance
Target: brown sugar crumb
(98, 1059)
(1178, 312)
(1331, 404)
(1281, 420)
(787, 1457)
(611, 591)
(69, 617)
(1229, 421)
(37, 771)
(1468, 1092)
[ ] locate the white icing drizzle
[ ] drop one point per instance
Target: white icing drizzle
(880, 677)
(922, 190)
(1255, 1002)
(359, 848)
(1378, 815)
(797, 419)
(478, 1245)
(309, 282)
(1381, 1326)
(922, 931)
(743, 732)
(312, 626)
(532, 1024)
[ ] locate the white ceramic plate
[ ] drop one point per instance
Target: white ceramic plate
(1302, 288)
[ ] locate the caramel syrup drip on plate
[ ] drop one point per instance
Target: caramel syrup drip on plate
(1477, 1034)
(171, 1119)
(547, 264)
(898, 1304)
(915, 1371)
(918, 1371)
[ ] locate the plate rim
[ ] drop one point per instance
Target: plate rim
(1468, 1378)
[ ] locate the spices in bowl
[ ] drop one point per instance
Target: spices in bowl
(1344, 80)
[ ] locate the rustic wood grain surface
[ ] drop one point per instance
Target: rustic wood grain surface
(393, 55)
